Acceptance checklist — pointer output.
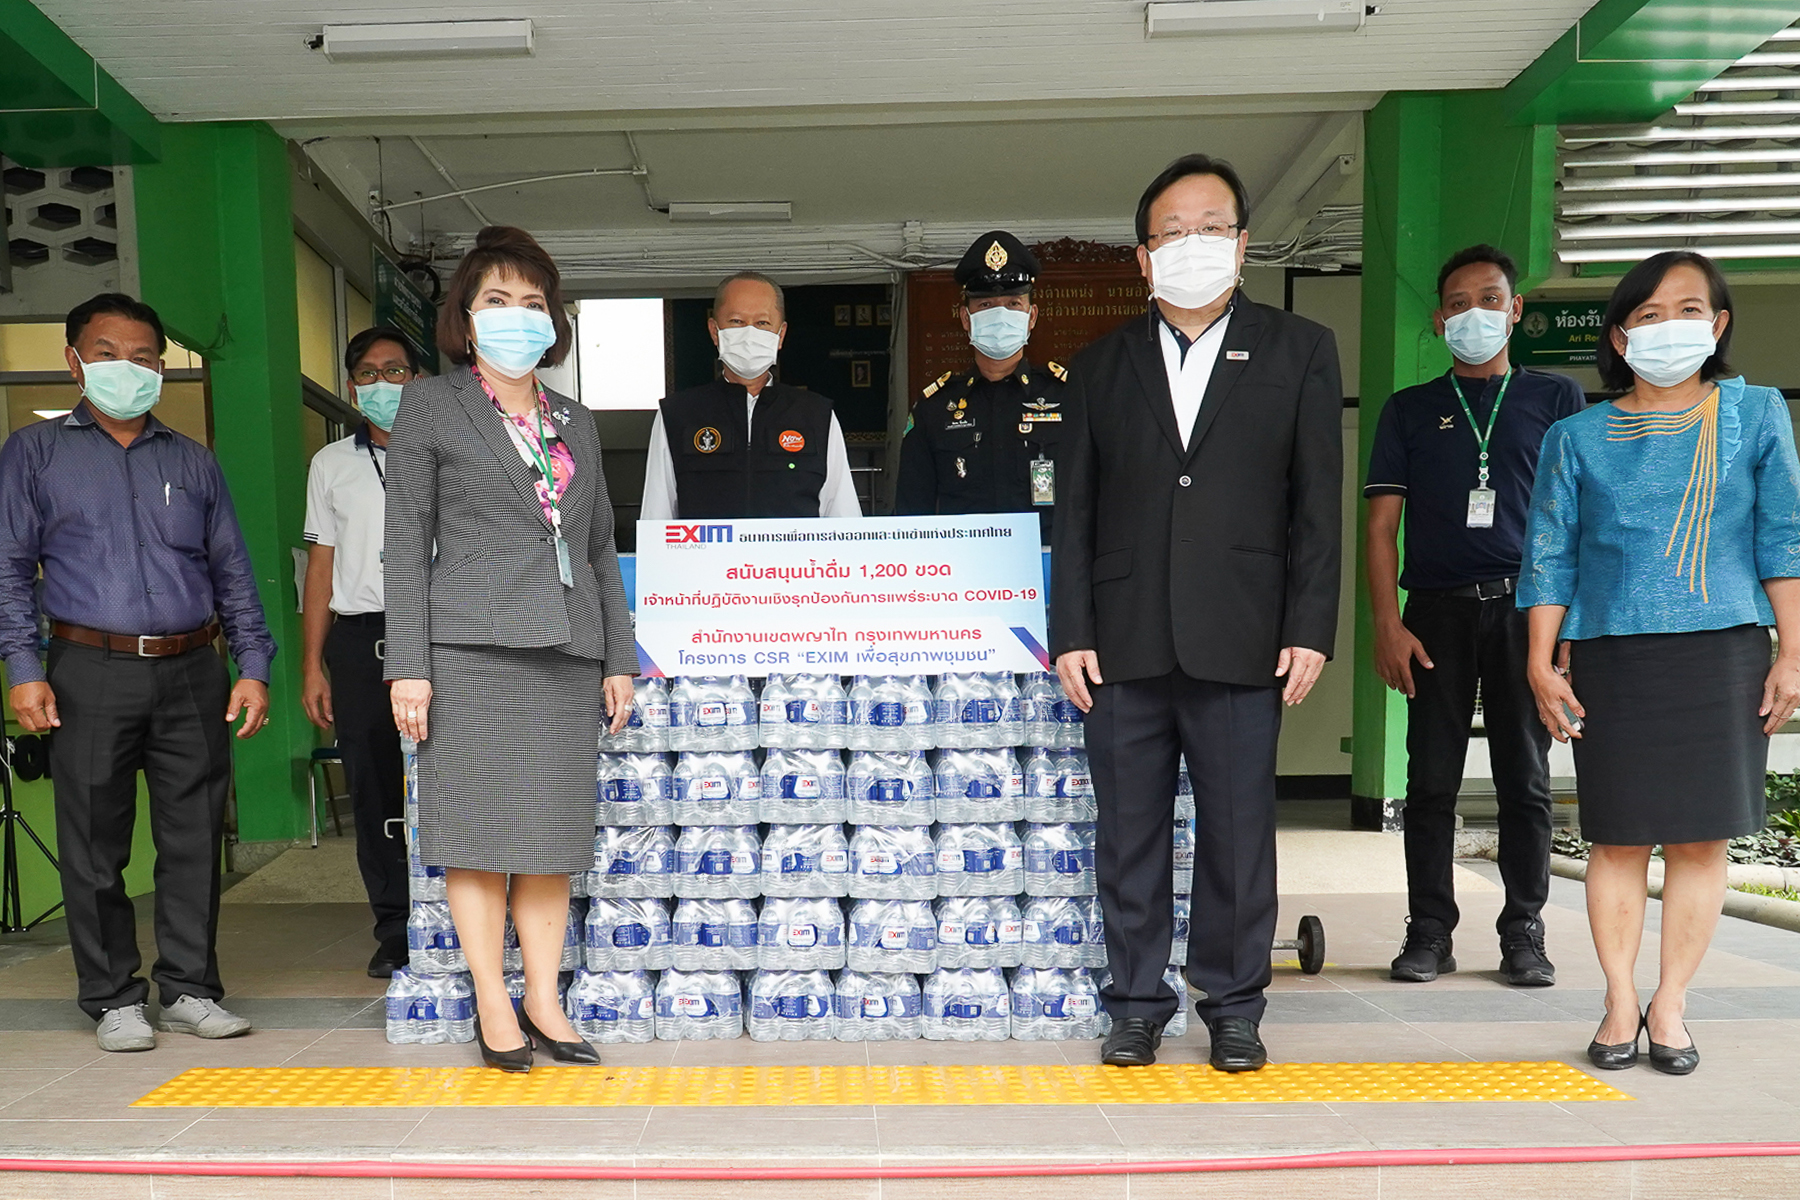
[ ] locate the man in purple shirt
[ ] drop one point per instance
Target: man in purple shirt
(142, 564)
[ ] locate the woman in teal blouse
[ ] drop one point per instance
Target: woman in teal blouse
(1664, 540)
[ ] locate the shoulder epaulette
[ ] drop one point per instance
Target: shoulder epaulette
(1057, 369)
(931, 388)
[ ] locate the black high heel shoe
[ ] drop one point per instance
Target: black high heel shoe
(1672, 1060)
(1619, 1056)
(516, 1061)
(578, 1052)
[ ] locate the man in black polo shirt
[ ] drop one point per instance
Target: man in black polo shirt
(1456, 455)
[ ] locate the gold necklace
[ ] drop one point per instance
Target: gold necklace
(1703, 479)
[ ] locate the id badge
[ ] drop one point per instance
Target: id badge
(1043, 481)
(562, 561)
(1481, 508)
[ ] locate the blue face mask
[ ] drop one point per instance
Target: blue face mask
(999, 332)
(122, 390)
(1477, 335)
(512, 339)
(379, 401)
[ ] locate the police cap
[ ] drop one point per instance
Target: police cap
(997, 264)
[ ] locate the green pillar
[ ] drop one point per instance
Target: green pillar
(216, 253)
(1443, 171)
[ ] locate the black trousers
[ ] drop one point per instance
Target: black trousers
(1136, 734)
(1474, 642)
(166, 717)
(370, 746)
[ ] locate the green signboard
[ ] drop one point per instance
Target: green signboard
(1558, 333)
(398, 303)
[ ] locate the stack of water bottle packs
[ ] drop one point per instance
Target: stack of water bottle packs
(906, 857)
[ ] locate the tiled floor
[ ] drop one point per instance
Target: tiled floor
(296, 970)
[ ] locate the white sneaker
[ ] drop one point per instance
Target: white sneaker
(202, 1018)
(124, 1029)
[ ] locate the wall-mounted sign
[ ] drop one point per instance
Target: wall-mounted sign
(400, 304)
(1558, 333)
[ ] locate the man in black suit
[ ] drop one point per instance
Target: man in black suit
(1195, 592)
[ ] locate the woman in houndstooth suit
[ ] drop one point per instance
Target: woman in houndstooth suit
(508, 633)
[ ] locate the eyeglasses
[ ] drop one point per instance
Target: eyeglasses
(369, 375)
(1175, 234)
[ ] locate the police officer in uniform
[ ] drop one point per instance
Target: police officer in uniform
(985, 440)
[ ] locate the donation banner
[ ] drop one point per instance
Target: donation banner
(845, 596)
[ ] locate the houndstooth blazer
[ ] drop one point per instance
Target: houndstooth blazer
(454, 479)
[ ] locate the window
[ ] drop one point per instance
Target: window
(621, 353)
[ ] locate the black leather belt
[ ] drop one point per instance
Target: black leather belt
(377, 619)
(1493, 590)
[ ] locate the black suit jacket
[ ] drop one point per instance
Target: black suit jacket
(1215, 556)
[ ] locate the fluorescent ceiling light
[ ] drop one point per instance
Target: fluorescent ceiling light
(731, 210)
(425, 39)
(1639, 253)
(50, 414)
(1666, 183)
(1686, 204)
(1750, 83)
(1739, 108)
(1660, 229)
(1165, 17)
(1685, 158)
(1696, 133)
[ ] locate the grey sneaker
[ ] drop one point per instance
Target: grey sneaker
(123, 1030)
(202, 1018)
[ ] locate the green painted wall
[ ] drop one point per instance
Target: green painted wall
(216, 255)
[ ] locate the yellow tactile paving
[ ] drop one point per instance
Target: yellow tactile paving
(463, 1087)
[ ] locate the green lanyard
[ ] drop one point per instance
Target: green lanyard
(1482, 436)
(540, 456)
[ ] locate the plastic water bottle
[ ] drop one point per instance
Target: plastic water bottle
(431, 942)
(634, 789)
(804, 787)
(409, 757)
(717, 788)
(1178, 942)
(423, 883)
(978, 786)
(512, 957)
(920, 730)
(1184, 854)
(1178, 1024)
(1057, 861)
(646, 728)
(1070, 731)
(817, 712)
(979, 860)
(717, 862)
(1093, 952)
(863, 733)
(1058, 787)
(878, 1008)
(893, 863)
(411, 1011)
(979, 931)
(772, 726)
(612, 1007)
(1184, 791)
(684, 708)
(578, 885)
(1055, 933)
(628, 935)
(888, 936)
(891, 712)
(455, 1007)
(805, 860)
(1038, 693)
(969, 714)
(698, 1006)
(740, 714)
(574, 935)
(966, 1005)
(891, 787)
(800, 934)
(791, 1006)
(1005, 688)
(1054, 1006)
(714, 935)
(633, 861)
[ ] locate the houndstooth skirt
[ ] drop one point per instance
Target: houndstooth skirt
(506, 775)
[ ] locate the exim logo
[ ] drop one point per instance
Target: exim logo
(684, 534)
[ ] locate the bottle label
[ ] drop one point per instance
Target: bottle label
(949, 860)
(982, 787)
(1067, 862)
(771, 712)
(963, 1010)
(950, 932)
(743, 862)
(1068, 935)
(918, 712)
(624, 791)
(631, 936)
(803, 712)
(1011, 933)
(980, 862)
(456, 1008)
(656, 714)
(1070, 1006)
(889, 714)
(750, 787)
(792, 1008)
(894, 937)
(1015, 784)
(875, 1006)
(422, 1008)
(708, 862)
(444, 939)
(710, 789)
(707, 935)
(1011, 857)
(878, 862)
(981, 712)
(1184, 858)
(740, 713)
(622, 864)
(1034, 931)
(889, 791)
(1075, 787)
(802, 937)
(1067, 712)
(689, 1006)
(709, 713)
(799, 863)
(799, 787)
(834, 862)
(981, 933)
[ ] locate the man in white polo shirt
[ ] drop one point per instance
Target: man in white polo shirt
(344, 620)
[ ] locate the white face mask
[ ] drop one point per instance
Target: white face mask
(747, 350)
(1669, 352)
(1476, 335)
(1195, 271)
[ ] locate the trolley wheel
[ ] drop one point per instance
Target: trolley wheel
(1312, 944)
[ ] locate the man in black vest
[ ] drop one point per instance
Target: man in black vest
(985, 440)
(746, 445)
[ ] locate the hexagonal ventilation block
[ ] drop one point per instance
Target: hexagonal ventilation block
(27, 253)
(23, 180)
(89, 179)
(91, 250)
(55, 215)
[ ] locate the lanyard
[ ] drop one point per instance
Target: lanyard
(376, 463)
(1482, 436)
(540, 455)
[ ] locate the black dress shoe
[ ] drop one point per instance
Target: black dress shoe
(517, 1062)
(1132, 1042)
(1425, 955)
(1236, 1045)
(1671, 1060)
(389, 957)
(1522, 958)
(1616, 1057)
(578, 1051)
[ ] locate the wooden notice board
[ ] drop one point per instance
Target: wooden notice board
(1083, 290)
